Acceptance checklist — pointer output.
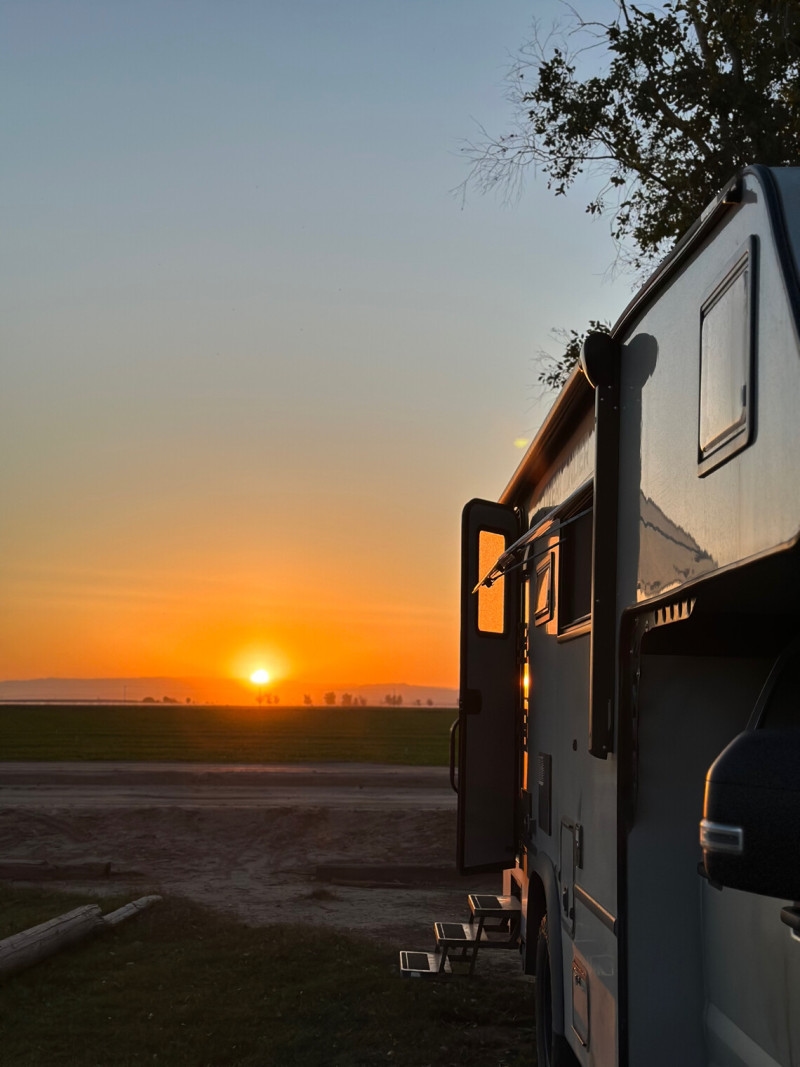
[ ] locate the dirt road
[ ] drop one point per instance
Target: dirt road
(198, 785)
(358, 846)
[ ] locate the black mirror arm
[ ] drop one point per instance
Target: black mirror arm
(791, 916)
(701, 870)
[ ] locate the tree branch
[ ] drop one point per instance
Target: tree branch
(702, 39)
(677, 122)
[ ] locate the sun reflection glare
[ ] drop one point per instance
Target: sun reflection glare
(259, 677)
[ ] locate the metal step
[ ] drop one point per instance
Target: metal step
(487, 906)
(455, 935)
(498, 919)
(458, 945)
(422, 964)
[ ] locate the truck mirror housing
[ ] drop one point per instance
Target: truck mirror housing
(750, 833)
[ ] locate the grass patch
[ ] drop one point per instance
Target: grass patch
(180, 985)
(416, 736)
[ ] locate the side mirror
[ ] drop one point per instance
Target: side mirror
(750, 833)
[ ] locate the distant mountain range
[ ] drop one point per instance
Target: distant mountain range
(210, 691)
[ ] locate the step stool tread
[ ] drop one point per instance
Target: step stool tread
(416, 961)
(492, 907)
(422, 964)
(458, 933)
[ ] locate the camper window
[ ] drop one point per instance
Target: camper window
(491, 598)
(575, 571)
(726, 333)
(543, 590)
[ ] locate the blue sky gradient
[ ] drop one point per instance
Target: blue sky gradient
(256, 354)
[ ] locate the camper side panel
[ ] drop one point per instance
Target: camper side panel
(710, 390)
(707, 473)
(573, 795)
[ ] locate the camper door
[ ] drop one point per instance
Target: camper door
(490, 692)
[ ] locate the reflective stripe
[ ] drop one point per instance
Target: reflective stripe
(720, 837)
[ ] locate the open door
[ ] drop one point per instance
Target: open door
(490, 696)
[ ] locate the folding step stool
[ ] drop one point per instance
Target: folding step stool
(493, 923)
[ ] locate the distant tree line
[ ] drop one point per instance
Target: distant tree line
(348, 700)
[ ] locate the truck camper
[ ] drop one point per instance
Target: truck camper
(627, 750)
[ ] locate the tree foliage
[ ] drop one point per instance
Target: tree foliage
(688, 94)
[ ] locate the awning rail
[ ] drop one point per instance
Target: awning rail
(515, 556)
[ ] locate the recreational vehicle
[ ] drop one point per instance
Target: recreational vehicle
(627, 750)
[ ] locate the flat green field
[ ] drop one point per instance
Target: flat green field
(192, 733)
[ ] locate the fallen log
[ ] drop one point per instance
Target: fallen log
(128, 910)
(24, 949)
(29, 947)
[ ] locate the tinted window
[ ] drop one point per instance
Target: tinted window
(543, 590)
(575, 571)
(491, 599)
(725, 363)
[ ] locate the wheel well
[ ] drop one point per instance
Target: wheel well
(535, 912)
(543, 900)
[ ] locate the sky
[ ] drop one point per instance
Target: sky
(255, 353)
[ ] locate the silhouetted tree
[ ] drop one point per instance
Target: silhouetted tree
(689, 94)
(686, 95)
(329, 698)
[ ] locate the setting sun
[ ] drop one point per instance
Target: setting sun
(259, 677)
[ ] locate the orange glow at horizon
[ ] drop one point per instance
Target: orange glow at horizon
(222, 594)
(149, 624)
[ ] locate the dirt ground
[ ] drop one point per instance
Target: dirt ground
(360, 847)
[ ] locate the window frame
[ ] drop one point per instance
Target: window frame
(582, 507)
(738, 435)
(544, 574)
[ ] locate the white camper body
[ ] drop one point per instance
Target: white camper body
(637, 583)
